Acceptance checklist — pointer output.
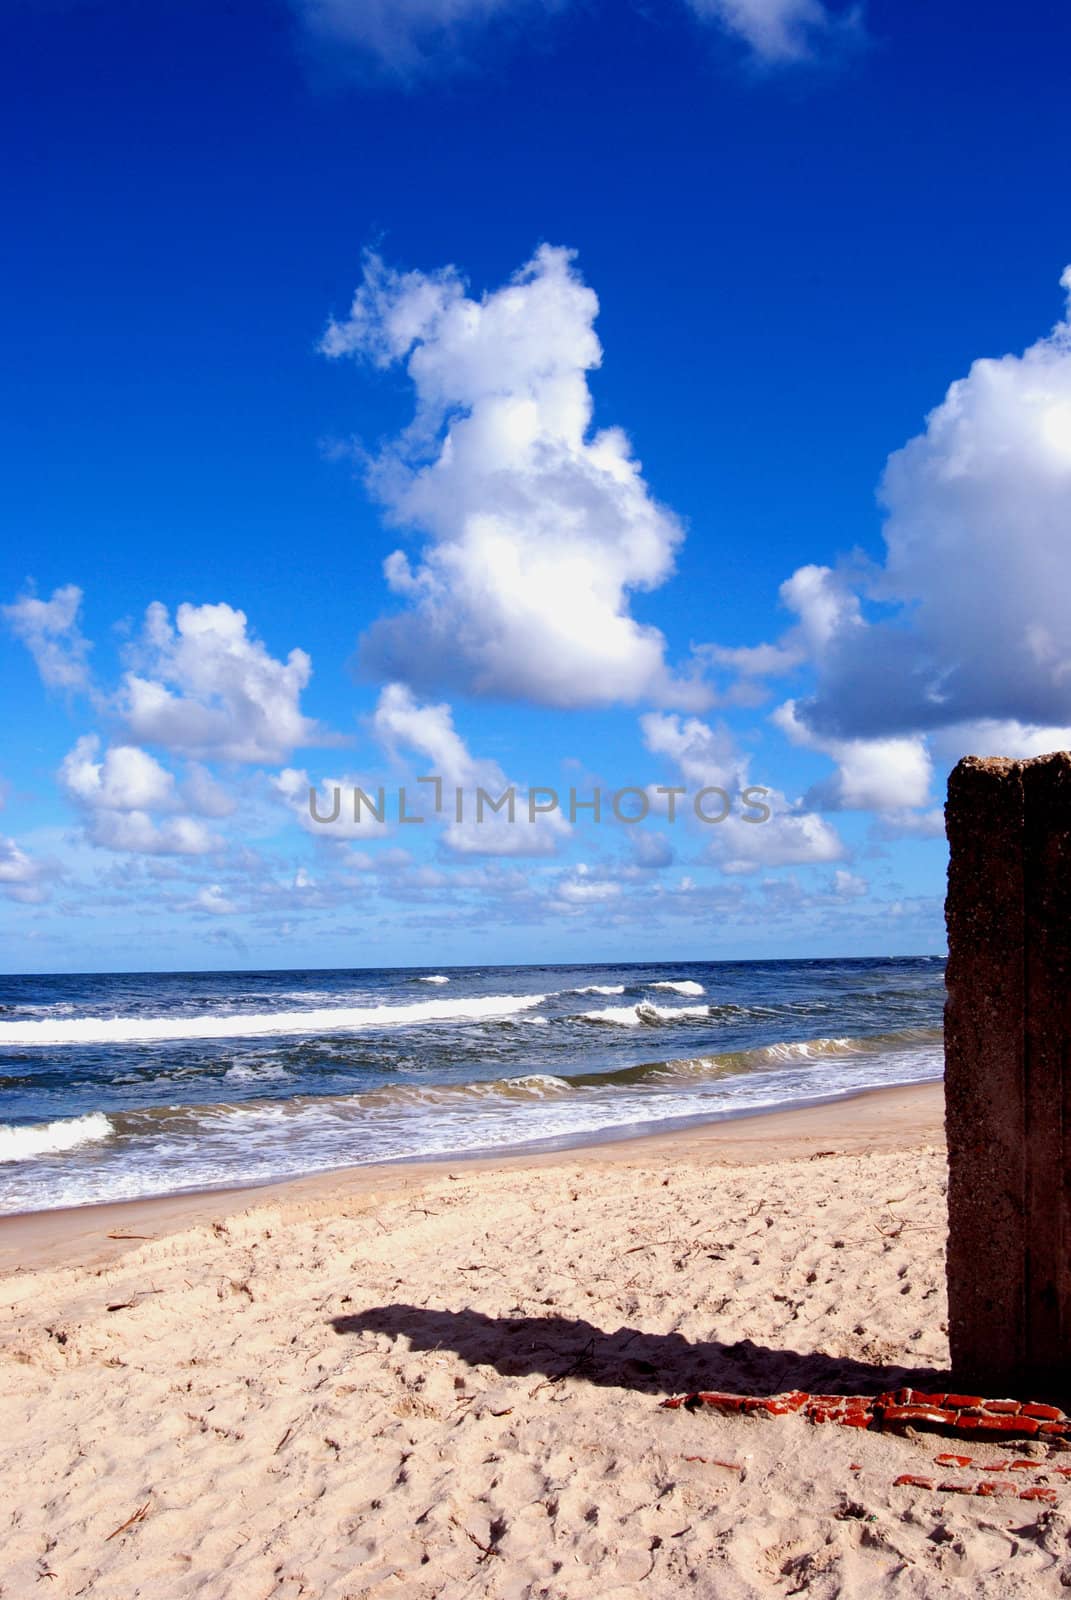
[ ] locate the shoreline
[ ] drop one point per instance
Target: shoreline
(872, 1120)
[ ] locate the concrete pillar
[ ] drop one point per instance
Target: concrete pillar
(1008, 1075)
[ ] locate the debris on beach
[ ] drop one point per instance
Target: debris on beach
(957, 1415)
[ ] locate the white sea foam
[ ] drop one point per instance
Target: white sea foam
(644, 1014)
(254, 1072)
(247, 1025)
(686, 986)
(601, 988)
(812, 1049)
(436, 977)
(48, 1138)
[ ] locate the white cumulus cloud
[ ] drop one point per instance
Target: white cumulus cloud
(123, 793)
(50, 631)
(402, 723)
(212, 899)
(22, 878)
(539, 529)
(707, 757)
(888, 775)
(977, 567)
(206, 687)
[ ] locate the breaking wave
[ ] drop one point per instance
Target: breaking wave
(243, 1025)
(24, 1143)
(644, 1014)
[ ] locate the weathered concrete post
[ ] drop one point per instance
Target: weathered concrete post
(1008, 1075)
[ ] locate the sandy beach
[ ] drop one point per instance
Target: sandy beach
(444, 1380)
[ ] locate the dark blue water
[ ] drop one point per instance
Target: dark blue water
(119, 1085)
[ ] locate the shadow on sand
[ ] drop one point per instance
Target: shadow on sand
(653, 1363)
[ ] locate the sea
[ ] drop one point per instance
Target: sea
(121, 1085)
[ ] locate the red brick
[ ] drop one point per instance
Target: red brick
(913, 1481)
(915, 1397)
(722, 1402)
(1003, 1407)
(953, 1461)
(931, 1414)
(997, 1425)
(1038, 1491)
(1043, 1413)
(959, 1401)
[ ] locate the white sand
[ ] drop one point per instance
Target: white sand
(410, 1384)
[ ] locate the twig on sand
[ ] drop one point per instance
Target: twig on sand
(131, 1236)
(139, 1516)
(484, 1549)
(567, 1372)
(124, 1305)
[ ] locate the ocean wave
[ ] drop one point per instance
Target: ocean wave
(599, 988)
(529, 1086)
(685, 986)
(27, 1141)
(365, 1106)
(242, 1025)
(645, 1014)
(435, 977)
(171, 1148)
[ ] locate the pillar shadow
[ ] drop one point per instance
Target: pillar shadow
(653, 1363)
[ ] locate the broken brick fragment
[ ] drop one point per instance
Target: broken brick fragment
(794, 1399)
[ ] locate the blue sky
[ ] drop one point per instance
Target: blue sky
(697, 357)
